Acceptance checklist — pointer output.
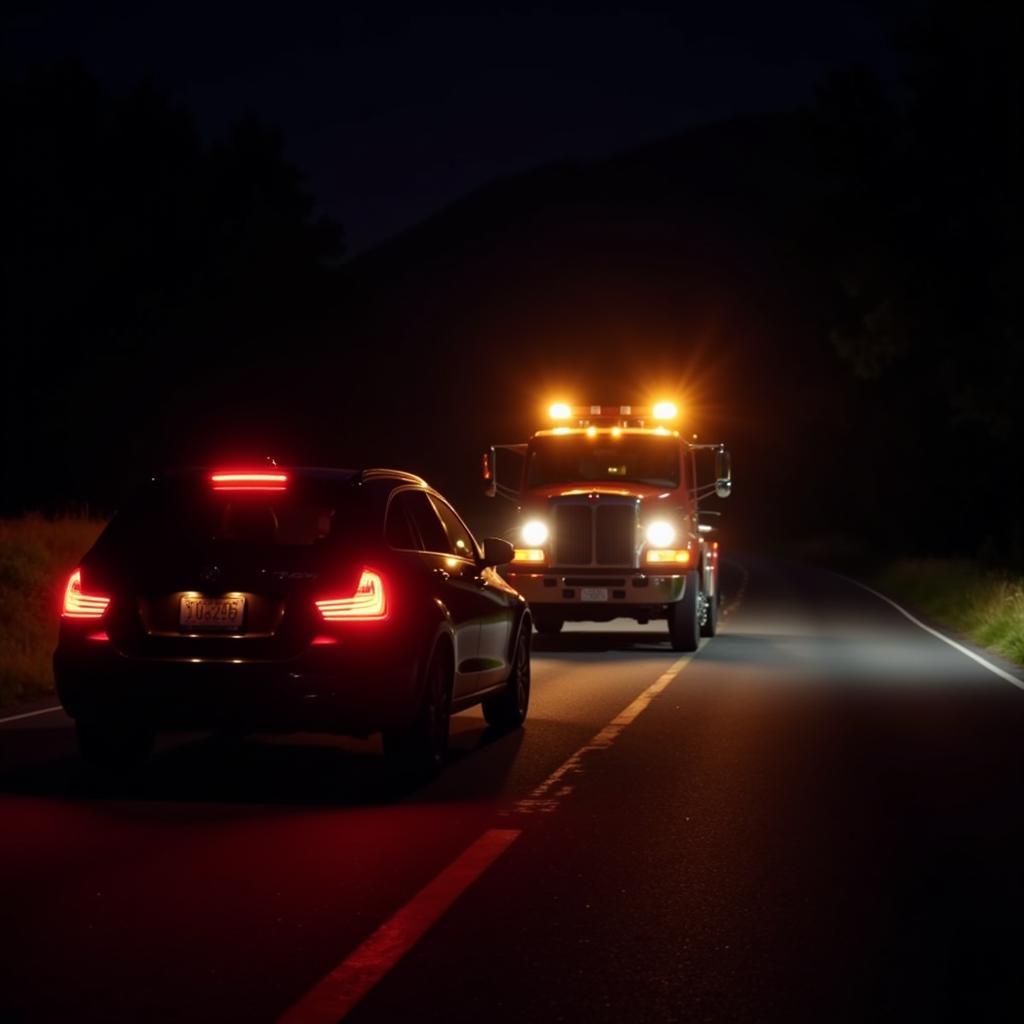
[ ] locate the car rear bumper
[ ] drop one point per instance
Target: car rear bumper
(630, 594)
(335, 688)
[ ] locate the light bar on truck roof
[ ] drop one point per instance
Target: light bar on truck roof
(248, 480)
(621, 415)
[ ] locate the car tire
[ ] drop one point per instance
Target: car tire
(548, 623)
(420, 749)
(684, 617)
(507, 710)
(709, 625)
(114, 745)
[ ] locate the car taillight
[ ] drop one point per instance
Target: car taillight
(80, 605)
(368, 602)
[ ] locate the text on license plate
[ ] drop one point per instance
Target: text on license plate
(593, 593)
(212, 612)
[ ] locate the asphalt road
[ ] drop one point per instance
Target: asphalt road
(817, 817)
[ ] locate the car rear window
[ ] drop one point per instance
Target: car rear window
(180, 513)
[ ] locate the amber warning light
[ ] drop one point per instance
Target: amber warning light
(245, 480)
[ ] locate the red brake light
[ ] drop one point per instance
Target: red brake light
(78, 604)
(244, 480)
(368, 602)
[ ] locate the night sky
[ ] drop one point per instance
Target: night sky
(393, 110)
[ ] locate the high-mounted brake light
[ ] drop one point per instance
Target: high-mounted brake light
(368, 602)
(248, 481)
(78, 604)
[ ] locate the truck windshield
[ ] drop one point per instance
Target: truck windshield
(576, 458)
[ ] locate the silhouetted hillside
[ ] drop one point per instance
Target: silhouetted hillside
(679, 266)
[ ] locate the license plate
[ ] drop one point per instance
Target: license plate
(212, 612)
(593, 593)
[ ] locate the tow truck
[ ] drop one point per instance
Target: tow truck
(610, 519)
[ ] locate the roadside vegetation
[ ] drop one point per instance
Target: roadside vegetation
(982, 605)
(36, 556)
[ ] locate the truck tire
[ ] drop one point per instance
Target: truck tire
(709, 625)
(684, 617)
(547, 623)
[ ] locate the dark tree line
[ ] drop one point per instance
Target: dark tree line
(139, 263)
(921, 224)
(860, 262)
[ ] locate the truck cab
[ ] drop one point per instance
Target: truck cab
(609, 520)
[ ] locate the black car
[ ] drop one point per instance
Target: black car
(283, 600)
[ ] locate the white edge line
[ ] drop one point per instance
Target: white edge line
(31, 714)
(994, 669)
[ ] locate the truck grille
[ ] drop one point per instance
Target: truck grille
(573, 535)
(616, 534)
(595, 534)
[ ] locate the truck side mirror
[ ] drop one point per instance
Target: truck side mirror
(723, 473)
(497, 552)
(490, 477)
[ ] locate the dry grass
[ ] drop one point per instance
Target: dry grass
(984, 606)
(36, 556)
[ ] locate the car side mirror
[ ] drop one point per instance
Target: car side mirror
(489, 475)
(497, 552)
(723, 473)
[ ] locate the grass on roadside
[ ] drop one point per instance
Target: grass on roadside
(984, 606)
(36, 556)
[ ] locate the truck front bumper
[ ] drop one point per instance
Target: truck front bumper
(599, 597)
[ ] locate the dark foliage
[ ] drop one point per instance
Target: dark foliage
(835, 291)
(139, 265)
(922, 229)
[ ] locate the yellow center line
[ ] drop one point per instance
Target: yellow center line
(546, 797)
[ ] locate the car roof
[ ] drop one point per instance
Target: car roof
(331, 473)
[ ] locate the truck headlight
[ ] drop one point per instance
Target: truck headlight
(535, 533)
(661, 534)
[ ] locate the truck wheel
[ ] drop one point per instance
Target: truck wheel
(507, 710)
(113, 745)
(420, 750)
(684, 617)
(709, 622)
(548, 623)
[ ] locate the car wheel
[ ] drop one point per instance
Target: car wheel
(548, 623)
(684, 617)
(507, 710)
(709, 617)
(420, 750)
(114, 745)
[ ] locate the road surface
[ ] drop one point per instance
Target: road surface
(816, 817)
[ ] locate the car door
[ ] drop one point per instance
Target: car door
(495, 607)
(451, 576)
